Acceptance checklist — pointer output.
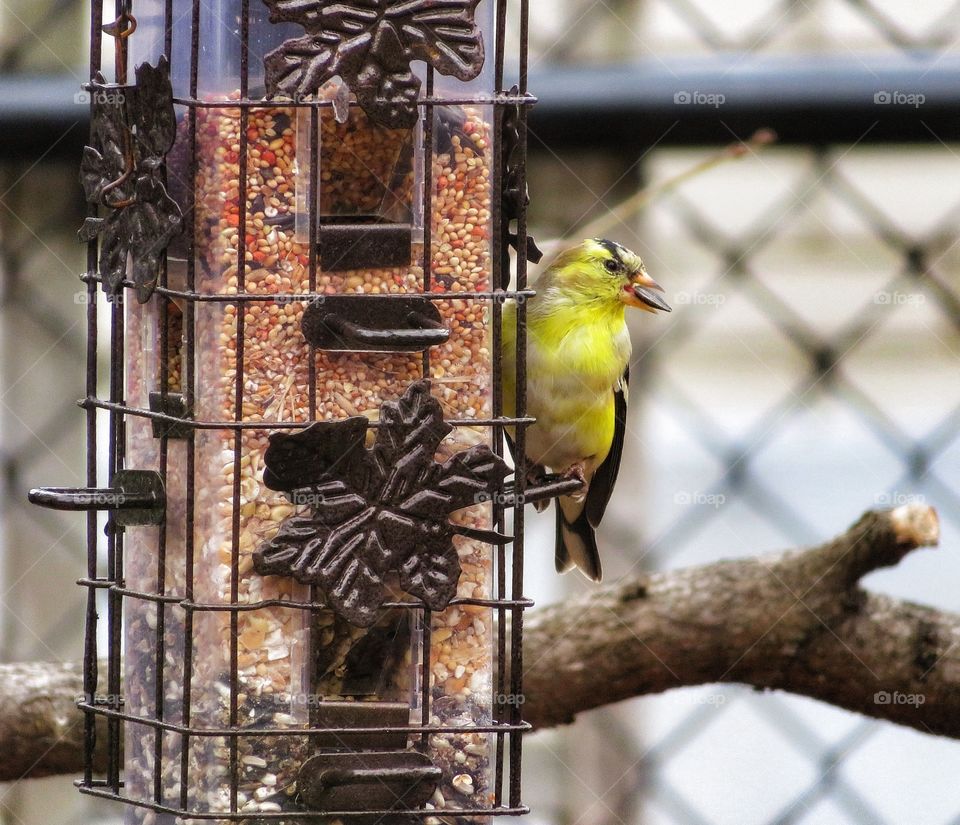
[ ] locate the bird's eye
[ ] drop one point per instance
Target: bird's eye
(611, 265)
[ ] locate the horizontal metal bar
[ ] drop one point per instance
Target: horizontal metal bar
(44, 116)
(242, 607)
(805, 98)
(96, 789)
(808, 98)
(87, 403)
(91, 498)
(309, 732)
(354, 322)
(357, 337)
(95, 783)
(550, 487)
(263, 103)
(137, 497)
(96, 584)
(306, 297)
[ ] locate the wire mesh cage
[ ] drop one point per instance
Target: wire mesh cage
(301, 215)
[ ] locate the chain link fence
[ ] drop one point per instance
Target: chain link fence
(806, 374)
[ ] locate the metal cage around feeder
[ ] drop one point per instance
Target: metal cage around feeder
(300, 214)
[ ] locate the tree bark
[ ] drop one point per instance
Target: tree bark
(41, 729)
(797, 621)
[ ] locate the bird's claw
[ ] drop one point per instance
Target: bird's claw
(576, 471)
(537, 475)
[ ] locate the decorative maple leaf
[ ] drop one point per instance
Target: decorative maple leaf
(369, 44)
(516, 197)
(378, 510)
(143, 218)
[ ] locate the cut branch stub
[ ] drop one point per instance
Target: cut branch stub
(378, 510)
(369, 45)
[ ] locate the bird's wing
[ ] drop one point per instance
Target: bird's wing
(510, 445)
(601, 485)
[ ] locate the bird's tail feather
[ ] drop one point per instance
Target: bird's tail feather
(576, 545)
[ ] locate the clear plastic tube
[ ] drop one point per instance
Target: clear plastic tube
(288, 659)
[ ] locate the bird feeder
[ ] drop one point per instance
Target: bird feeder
(300, 214)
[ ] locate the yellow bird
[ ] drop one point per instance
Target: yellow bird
(578, 358)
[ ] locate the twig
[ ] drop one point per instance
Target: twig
(626, 209)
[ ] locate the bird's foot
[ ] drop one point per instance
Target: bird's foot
(578, 472)
(537, 475)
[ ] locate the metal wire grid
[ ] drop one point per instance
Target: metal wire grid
(824, 354)
(780, 17)
(509, 725)
(35, 314)
(823, 358)
(594, 29)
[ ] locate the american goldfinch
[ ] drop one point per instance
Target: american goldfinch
(578, 356)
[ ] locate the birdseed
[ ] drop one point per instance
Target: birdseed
(277, 648)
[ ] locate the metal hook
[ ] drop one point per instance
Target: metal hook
(120, 29)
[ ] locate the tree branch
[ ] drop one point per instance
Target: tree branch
(41, 729)
(798, 622)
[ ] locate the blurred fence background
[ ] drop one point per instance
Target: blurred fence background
(808, 372)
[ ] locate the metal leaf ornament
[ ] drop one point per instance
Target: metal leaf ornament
(378, 510)
(132, 129)
(369, 45)
(515, 196)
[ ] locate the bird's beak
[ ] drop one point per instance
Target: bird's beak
(640, 293)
